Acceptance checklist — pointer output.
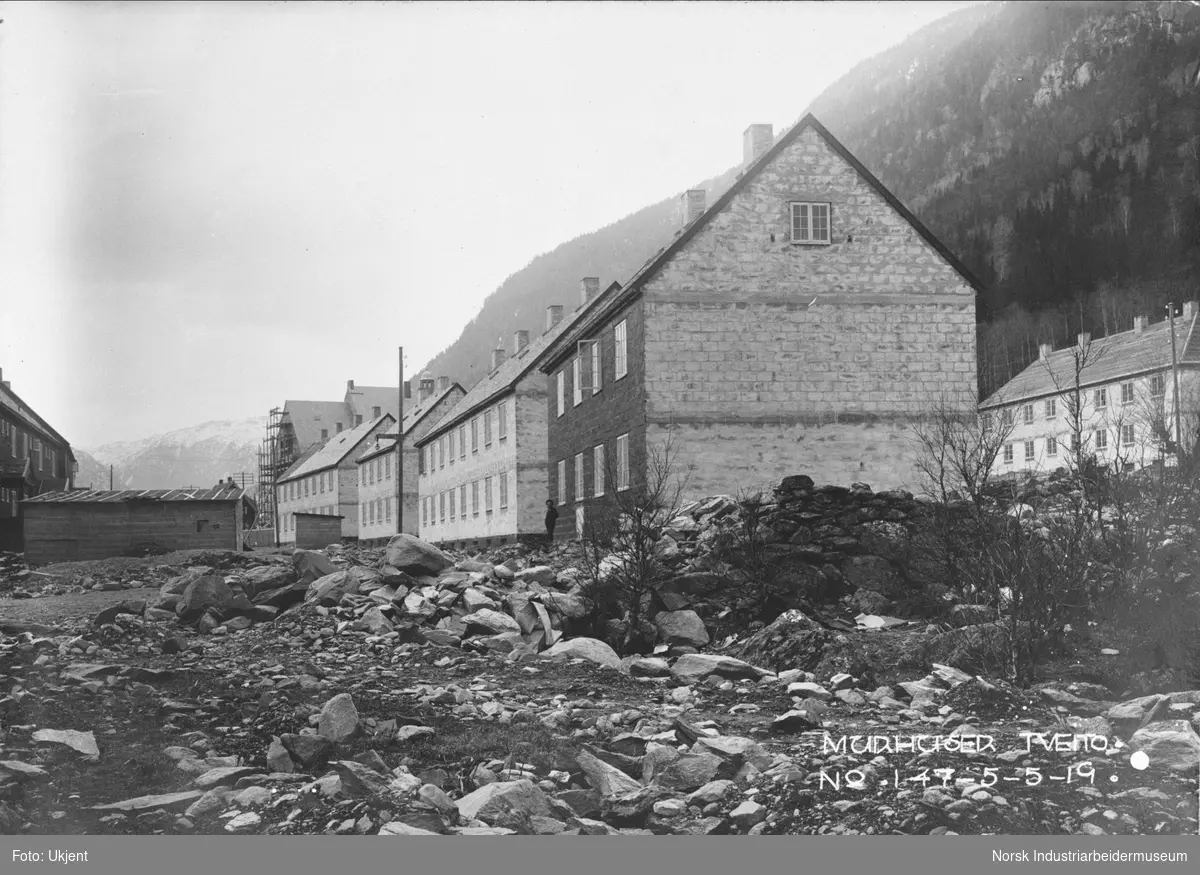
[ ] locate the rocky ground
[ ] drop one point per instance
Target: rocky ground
(410, 692)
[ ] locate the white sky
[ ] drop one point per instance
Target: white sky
(206, 209)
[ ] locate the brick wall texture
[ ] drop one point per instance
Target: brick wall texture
(756, 383)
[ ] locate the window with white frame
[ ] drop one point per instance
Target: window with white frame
(475, 497)
(462, 501)
(475, 435)
(1101, 438)
(810, 222)
(1027, 414)
(1051, 446)
(560, 387)
(579, 476)
(562, 481)
(452, 497)
(387, 511)
(620, 350)
(1127, 435)
(1158, 385)
(1008, 454)
(442, 507)
(596, 375)
(1100, 398)
(1127, 393)
(502, 420)
(1030, 451)
(1051, 408)
(387, 467)
(487, 428)
(623, 462)
(450, 445)
(442, 452)
(502, 480)
(576, 384)
(462, 441)
(598, 469)
(487, 494)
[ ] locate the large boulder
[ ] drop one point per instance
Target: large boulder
(681, 627)
(693, 667)
(1170, 744)
(607, 779)
(504, 797)
(208, 593)
(493, 621)
(585, 648)
(793, 640)
(411, 555)
(339, 719)
(265, 578)
(329, 589)
(308, 565)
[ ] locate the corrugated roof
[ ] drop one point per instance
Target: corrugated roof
(603, 306)
(1108, 360)
(505, 377)
(309, 417)
(336, 449)
(105, 496)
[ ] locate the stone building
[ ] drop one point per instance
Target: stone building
(326, 481)
(1111, 397)
(792, 326)
(483, 477)
(376, 480)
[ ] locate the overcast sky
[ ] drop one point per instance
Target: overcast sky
(206, 209)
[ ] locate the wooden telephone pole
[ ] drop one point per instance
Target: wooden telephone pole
(400, 451)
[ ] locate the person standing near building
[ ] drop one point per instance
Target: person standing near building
(551, 519)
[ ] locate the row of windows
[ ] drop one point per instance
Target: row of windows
(453, 444)
(312, 485)
(21, 445)
(1126, 434)
(289, 519)
(434, 507)
(375, 471)
(1158, 387)
(600, 472)
(371, 513)
(593, 380)
(9, 499)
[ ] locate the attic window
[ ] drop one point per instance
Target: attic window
(810, 223)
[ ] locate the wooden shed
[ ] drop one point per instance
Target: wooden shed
(316, 531)
(96, 524)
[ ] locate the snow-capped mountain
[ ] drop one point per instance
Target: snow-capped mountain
(200, 455)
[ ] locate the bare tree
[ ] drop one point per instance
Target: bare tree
(956, 447)
(622, 535)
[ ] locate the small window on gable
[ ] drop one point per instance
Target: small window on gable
(810, 223)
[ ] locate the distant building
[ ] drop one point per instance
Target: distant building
(376, 466)
(483, 474)
(97, 524)
(792, 326)
(326, 481)
(34, 459)
(1115, 395)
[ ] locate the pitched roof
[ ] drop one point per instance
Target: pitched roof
(12, 402)
(361, 399)
(105, 496)
(1109, 359)
(502, 380)
(414, 415)
(336, 449)
(309, 417)
(604, 305)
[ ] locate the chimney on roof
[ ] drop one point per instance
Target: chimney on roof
(589, 287)
(425, 391)
(1189, 310)
(520, 340)
(553, 315)
(1139, 324)
(443, 383)
(694, 203)
(407, 390)
(1084, 339)
(337, 428)
(1044, 350)
(498, 356)
(756, 140)
(349, 385)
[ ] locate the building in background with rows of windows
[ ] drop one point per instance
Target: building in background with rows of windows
(326, 481)
(1112, 397)
(795, 325)
(483, 469)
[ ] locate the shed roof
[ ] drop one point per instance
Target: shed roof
(108, 496)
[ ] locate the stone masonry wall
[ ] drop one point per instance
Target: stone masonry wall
(737, 358)
(533, 481)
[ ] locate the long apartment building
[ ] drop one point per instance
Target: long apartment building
(1111, 397)
(792, 326)
(482, 469)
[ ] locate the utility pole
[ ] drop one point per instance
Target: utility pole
(1175, 381)
(110, 478)
(400, 451)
